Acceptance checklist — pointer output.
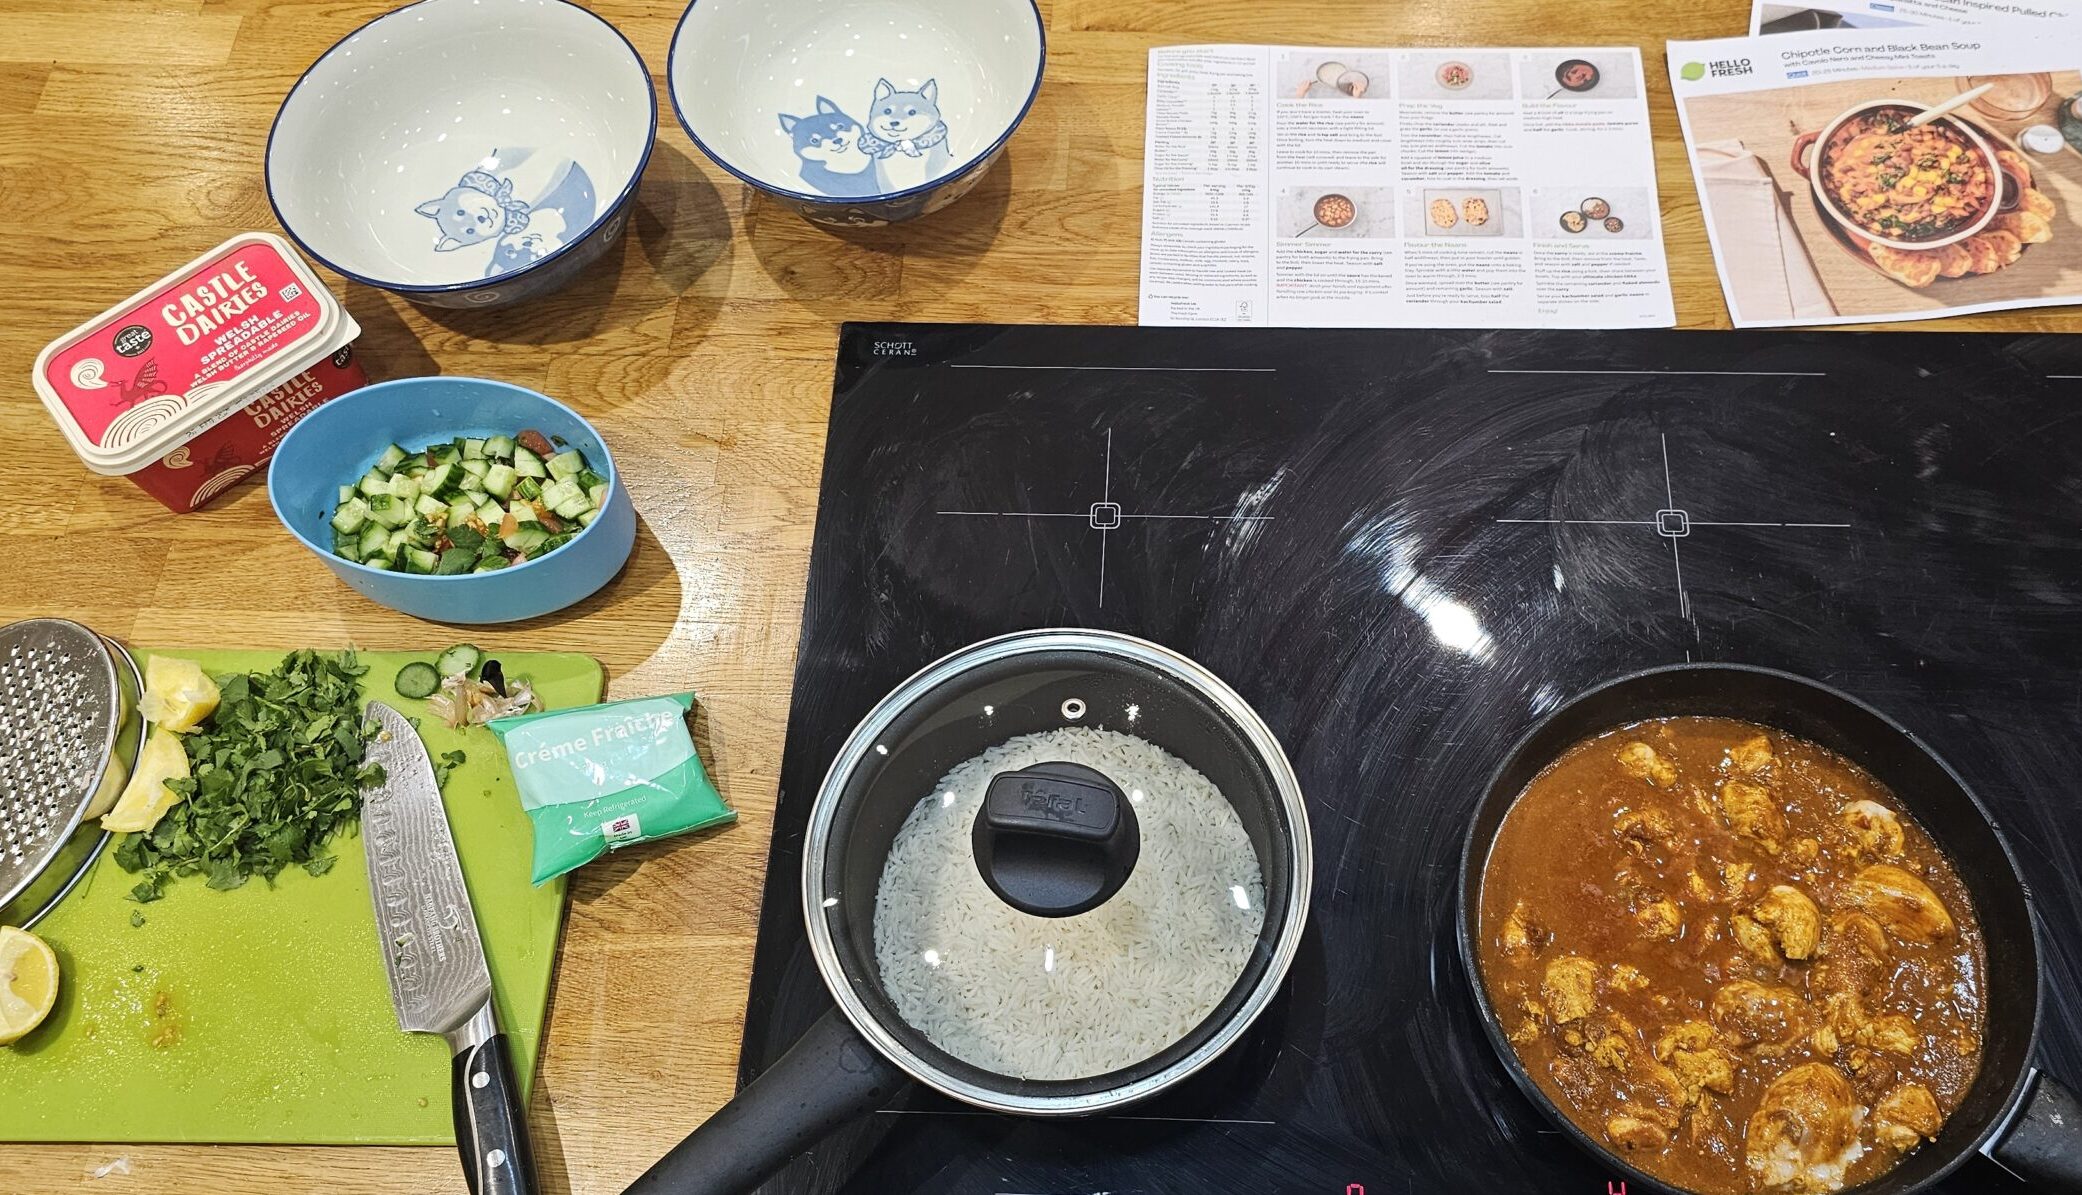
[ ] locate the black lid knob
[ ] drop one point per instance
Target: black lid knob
(1055, 839)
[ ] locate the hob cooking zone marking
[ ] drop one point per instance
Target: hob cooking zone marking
(1105, 515)
(1673, 522)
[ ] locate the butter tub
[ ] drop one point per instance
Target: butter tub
(187, 386)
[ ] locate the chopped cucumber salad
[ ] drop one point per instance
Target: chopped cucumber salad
(467, 505)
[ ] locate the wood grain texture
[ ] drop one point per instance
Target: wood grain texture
(131, 139)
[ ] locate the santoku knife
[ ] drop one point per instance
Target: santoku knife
(434, 957)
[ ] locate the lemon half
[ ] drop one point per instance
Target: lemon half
(178, 696)
(28, 983)
(146, 798)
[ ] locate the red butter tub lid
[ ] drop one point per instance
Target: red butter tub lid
(162, 366)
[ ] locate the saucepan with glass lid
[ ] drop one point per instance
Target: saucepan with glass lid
(1052, 874)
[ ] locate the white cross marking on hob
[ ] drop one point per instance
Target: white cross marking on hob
(1674, 523)
(1103, 516)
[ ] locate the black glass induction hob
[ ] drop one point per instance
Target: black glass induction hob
(1403, 548)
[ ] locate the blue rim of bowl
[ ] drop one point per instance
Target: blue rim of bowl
(448, 288)
(845, 201)
(325, 553)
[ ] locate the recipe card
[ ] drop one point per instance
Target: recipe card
(1338, 187)
(1832, 196)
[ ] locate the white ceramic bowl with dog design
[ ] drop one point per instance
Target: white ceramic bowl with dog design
(465, 153)
(856, 111)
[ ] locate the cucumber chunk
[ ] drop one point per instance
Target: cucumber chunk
(498, 481)
(566, 465)
(528, 539)
(352, 514)
(389, 510)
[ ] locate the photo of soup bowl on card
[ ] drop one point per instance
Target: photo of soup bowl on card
(465, 153)
(1910, 197)
(854, 114)
(1923, 197)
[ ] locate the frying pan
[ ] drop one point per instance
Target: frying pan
(2023, 1119)
(1596, 77)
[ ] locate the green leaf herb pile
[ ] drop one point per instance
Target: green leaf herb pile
(277, 771)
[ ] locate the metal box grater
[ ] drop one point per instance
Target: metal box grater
(66, 695)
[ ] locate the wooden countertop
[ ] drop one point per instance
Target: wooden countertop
(131, 136)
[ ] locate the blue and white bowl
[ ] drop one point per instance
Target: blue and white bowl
(856, 111)
(339, 440)
(465, 153)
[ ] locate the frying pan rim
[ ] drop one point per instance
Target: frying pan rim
(1468, 910)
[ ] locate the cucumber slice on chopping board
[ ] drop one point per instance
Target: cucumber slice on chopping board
(417, 679)
(459, 660)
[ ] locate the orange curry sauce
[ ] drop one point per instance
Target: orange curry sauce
(1730, 956)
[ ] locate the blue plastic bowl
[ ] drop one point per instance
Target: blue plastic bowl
(337, 443)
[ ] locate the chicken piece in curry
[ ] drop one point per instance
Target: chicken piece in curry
(1730, 956)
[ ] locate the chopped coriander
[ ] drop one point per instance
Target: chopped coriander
(137, 918)
(449, 762)
(277, 772)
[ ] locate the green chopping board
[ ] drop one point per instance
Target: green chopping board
(262, 1014)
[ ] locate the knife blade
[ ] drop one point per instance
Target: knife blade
(434, 958)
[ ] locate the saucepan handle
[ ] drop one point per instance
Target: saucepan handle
(829, 1076)
(2043, 1145)
(1801, 145)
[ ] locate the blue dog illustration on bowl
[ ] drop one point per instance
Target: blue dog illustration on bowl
(901, 145)
(908, 138)
(481, 209)
(832, 148)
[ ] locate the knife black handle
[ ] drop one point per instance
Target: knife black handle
(491, 1124)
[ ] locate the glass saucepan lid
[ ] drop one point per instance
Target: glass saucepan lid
(1051, 874)
(1057, 871)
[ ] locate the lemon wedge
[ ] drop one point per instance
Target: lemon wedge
(177, 694)
(28, 983)
(146, 798)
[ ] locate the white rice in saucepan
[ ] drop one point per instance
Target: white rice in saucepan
(1069, 997)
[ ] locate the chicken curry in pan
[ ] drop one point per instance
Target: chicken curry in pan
(1730, 956)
